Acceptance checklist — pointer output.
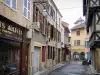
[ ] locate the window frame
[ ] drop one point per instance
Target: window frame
(27, 9)
(78, 33)
(10, 6)
(78, 42)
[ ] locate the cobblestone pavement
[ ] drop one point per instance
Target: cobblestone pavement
(74, 68)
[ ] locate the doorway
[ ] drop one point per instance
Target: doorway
(36, 59)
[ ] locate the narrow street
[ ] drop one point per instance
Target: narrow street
(74, 68)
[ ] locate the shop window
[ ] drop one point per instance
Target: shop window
(11, 4)
(27, 9)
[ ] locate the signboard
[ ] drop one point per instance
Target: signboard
(35, 25)
(10, 31)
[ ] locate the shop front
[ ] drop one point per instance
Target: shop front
(13, 48)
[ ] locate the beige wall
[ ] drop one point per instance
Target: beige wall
(16, 16)
(82, 36)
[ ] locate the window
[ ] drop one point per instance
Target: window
(52, 12)
(11, 4)
(78, 42)
(78, 33)
(27, 9)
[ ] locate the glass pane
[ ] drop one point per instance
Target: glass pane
(25, 3)
(28, 15)
(25, 12)
(14, 4)
(7, 2)
(29, 6)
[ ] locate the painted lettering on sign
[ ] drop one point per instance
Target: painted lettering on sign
(10, 30)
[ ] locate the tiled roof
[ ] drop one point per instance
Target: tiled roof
(79, 20)
(79, 26)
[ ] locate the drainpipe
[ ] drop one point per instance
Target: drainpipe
(56, 37)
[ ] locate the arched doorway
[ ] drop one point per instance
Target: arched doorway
(82, 55)
(76, 56)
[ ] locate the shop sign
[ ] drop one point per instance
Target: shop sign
(11, 31)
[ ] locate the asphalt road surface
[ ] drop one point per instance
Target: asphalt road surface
(74, 68)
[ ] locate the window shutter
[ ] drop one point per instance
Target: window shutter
(43, 53)
(48, 52)
(46, 27)
(34, 13)
(53, 53)
(74, 42)
(54, 33)
(51, 32)
(41, 22)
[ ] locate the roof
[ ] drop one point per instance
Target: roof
(64, 24)
(79, 26)
(79, 20)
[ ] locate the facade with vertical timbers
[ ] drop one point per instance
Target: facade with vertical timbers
(13, 37)
(91, 11)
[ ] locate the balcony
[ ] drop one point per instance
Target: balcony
(95, 39)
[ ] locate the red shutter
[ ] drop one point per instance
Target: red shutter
(43, 53)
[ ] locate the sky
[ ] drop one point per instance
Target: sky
(71, 10)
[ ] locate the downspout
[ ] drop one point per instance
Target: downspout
(56, 37)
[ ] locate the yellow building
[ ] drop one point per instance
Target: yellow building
(78, 34)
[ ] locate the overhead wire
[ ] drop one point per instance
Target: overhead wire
(70, 8)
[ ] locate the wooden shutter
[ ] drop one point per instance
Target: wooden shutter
(34, 13)
(48, 52)
(46, 27)
(43, 53)
(51, 32)
(53, 53)
(41, 22)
